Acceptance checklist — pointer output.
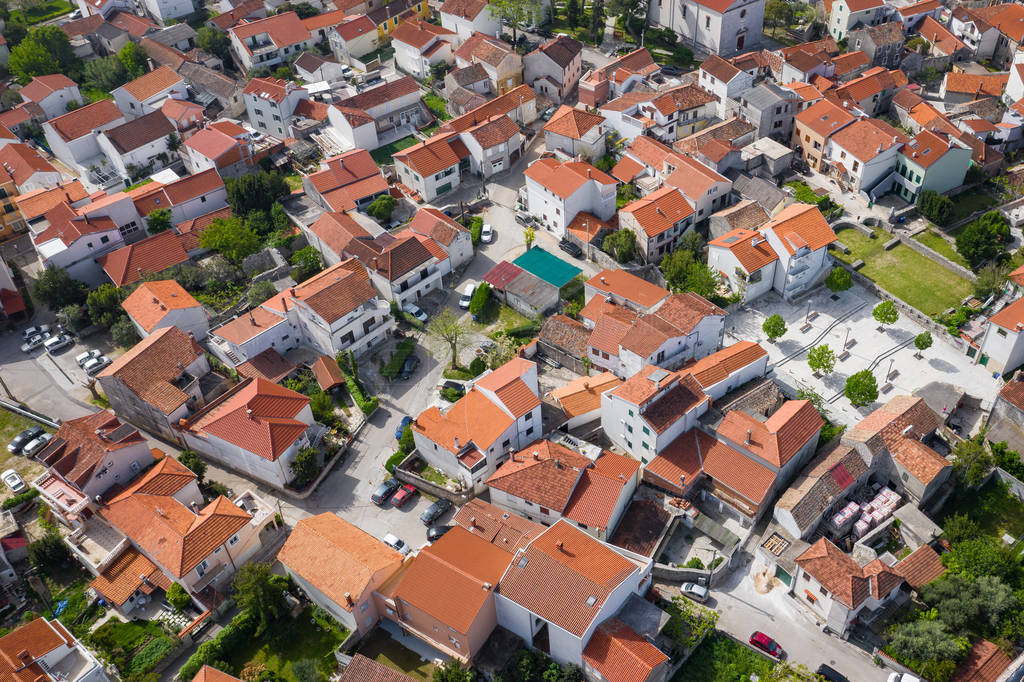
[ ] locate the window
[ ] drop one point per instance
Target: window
(707, 22)
(233, 540)
(529, 416)
(505, 443)
(217, 551)
(529, 431)
(1000, 331)
(778, 124)
(684, 11)
(743, 13)
(629, 427)
(647, 431)
(201, 568)
(646, 446)
(823, 591)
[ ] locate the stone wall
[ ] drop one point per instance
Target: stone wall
(403, 474)
(938, 258)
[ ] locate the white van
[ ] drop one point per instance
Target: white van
(467, 294)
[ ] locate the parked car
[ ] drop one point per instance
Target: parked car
(670, 70)
(401, 427)
(14, 481)
(547, 114)
(694, 591)
(408, 367)
(19, 442)
(467, 294)
(903, 677)
(96, 365)
(36, 444)
(455, 386)
(434, 511)
(487, 234)
(35, 331)
(524, 219)
(85, 357)
(570, 248)
(34, 342)
(384, 491)
(392, 541)
(415, 311)
(404, 494)
(831, 674)
(766, 644)
(434, 533)
(56, 343)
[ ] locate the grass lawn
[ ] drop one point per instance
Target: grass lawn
(382, 155)
(459, 374)
(382, 648)
(915, 278)
(934, 241)
(992, 507)
(301, 639)
(721, 659)
(135, 647)
(34, 15)
(11, 425)
(294, 182)
(436, 105)
(970, 201)
(77, 607)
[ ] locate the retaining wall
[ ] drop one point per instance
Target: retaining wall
(423, 485)
(929, 252)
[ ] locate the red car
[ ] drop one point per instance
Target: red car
(766, 644)
(404, 494)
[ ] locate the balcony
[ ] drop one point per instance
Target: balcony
(97, 544)
(259, 510)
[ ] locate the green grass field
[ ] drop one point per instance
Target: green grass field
(903, 272)
(993, 508)
(936, 242)
(966, 203)
(34, 15)
(722, 659)
(303, 640)
(382, 648)
(382, 155)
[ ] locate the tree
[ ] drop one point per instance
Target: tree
(972, 461)
(213, 41)
(259, 222)
(936, 207)
(256, 592)
(15, 32)
(478, 302)
(278, 218)
(29, 59)
(191, 460)
(124, 333)
(886, 313)
(924, 640)
(529, 236)
(861, 388)
(982, 555)
(923, 342)
(306, 465)
(596, 20)
(633, 13)
(454, 671)
(230, 238)
(982, 239)
(572, 13)
(307, 263)
(57, 44)
(774, 327)
(512, 13)
(173, 142)
(839, 279)
(322, 406)
(684, 272)
(382, 207)
(990, 280)
(778, 13)
(105, 74)
(178, 597)
(72, 317)
(134, 59)
(49, 552)
(449, 329)
(56, 288)
(158, 220)
(255, 192)
(959, 527)
(260, 292)
(307, 670)
(821, 359)
(104, 305)
(964, 604)
(691, 241)
(620, 245)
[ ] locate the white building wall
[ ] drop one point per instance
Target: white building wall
(56, 103)
(1004, 348)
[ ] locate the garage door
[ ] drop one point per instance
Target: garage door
(783, 576)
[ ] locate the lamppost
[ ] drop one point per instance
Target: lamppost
(888, 374)
(846, 341)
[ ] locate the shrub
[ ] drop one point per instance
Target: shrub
(479, 300)
(178, 597)
(477, 367)
(393, 366)
(936, 207)
(237, 633)
(838, 280)
(476, 226)
(366, 404)
(523, 330)
(694, 563)
(394, 460)
(323, 408)
(306, 465)
(450, 394)
(12, 502)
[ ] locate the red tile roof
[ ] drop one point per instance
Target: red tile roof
(777, 439)
(839, 574)
(84, 120)
(921, 566)
(434, 155)
(41, 87)
(659, 211)
(617, 652)
(825, 118)
(800, 225)
(599, 489)
(750, 248)
(1011, 317)
(419, 33)
(464, 9)
(22, 162)
(269, 365)
(565, 178)
(129, 573)
(152, 83)
(35, 639)
(572, 123)
(977, 85)
(283, 29)
(363, 669)
(82, 444)
(717, 367)
(543, 473)
(985, 662)
(680, 463)
(152, 366)
(153, 254)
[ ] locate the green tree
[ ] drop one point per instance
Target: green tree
(213, 41)
(778, 13)
(774, 327)
(838, 280)
(982, 555)
(49, 552)
(307, 669)
(382, 207)
(886, 313)
(307, 262)
(983, 239)
(191, 460)
(306, 465)
(515, 12)
(56, 288)
(230, 238)
(691, 241)
(959, 527)
(173, 142)
(453, 671)
(104, 305)
(260, 292)
(259, 222)
(529, 236)
(923, 342)
(972, 461)
(278, 218)
(572, 13)
(256, 592)
(596, 20)
(57, 44)
(478, 301)
(861, 388)
(322, 406)
(158, 220)
(134, 59)
(446, 327)
(72, 317)
(990, 280)
(15, 32)
(821, 359)
(178, 597)
(620, 245)
(255, 192)
(633, 13)
(936, 207)
(924, 640)
(105, 74)
(124, 333)
(29, 59)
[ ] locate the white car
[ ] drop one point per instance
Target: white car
(396, 544)
(35, 331)
(694, 591)
(14, 481)
(34, 342)
(96, 365)
(36, 445)
(903, 677)
(85, 357)
(57, 342)
(467, 295)
(415, 311)
(487, 234)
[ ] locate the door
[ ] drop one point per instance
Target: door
(740, 41)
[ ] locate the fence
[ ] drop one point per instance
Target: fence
(403, 474)
(25, 412)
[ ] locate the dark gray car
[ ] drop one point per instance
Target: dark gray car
(434, 511)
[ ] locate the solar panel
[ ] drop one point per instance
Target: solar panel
(657, 375)
(731, 240)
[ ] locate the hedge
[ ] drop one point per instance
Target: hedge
(394, 365)
(12, 502)
(237, 633)
(394, 460)
(367, 405)
(523, 331)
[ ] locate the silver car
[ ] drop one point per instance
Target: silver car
(396, 544)
(85, 357)
(694, 591)
(34, 331)
(96, 365)
(36, 445)
(34, 342)
(57, 342)
(415, 311)
(14, 481)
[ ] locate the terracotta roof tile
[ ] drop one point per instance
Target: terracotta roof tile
(331, 294)
(40, 87)
(139, 131)
(472, 419)
(543, 473)
(153, 254)
(327, 372)
(617, 652)
(801, 224)
(1013, 392)
(866, 138)
(562, 50)
(79, 445)
(36, 638)
(418, 33)
(284, 29)
(598, 491)
(717, 367)
(502, 104)
(377, 96)
(434, 155)
(129, 573)
(565, 178)
(680, 463)
(363, 669)
(84, 120)
(921, 566)
(838, 573)
(269, 365)
(977, 85)
(825, 118)
(583, 394)
(660, 210)
(22, 162)
(572, 123)
(492, 133)
(985, 662)
(1008, 19)
(780, 437)
(719, 68)
(499, 527)
(152, 366)
(750, 248)
(249, 325)
(566, 333)
(465, 9)
(208, 674)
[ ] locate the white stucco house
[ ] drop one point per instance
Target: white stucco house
(557, 191)
(147, 93)
(53, 94)
(1002, 345)
(722, 27)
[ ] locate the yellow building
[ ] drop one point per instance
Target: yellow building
(388, 17)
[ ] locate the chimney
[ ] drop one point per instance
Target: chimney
(747, 441)
(195, 506)
(155, 300)
(248, 412)
(251, 318)
(558, 465)
(486, 585)
(472, 522)
(457, 446)
(24, 656)
(144, 579)
(348, 599)
(536, 455)
(560, 545)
